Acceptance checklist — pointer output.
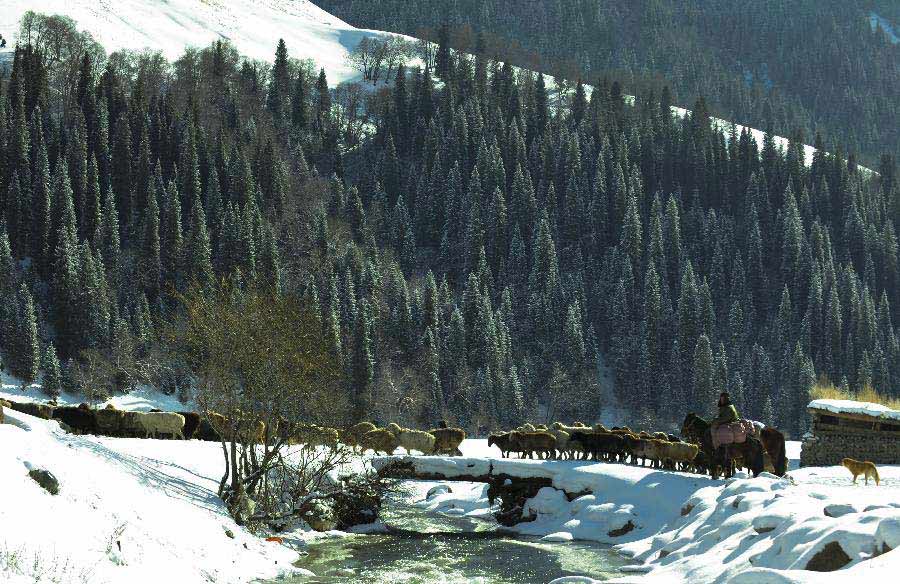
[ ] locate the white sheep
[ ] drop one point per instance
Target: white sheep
(159, 423)
(562, 440)
(416, 440)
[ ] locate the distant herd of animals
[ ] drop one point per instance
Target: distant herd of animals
(364, 436)
(664, 451)
(761, 450)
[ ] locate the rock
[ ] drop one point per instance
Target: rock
(838, 509)
(830, 558)
(887, 535)
(438, 490)
(622, 530)
(686, 509)
(45, 479)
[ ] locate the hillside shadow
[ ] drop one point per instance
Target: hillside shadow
(149, 472)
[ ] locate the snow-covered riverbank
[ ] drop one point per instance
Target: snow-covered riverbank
(137, 511)
(687, 528)
(128, 510)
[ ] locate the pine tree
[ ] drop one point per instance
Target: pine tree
(52, 372)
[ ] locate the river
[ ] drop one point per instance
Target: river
(430, 548)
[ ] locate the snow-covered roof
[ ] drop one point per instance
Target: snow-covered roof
(846, 406)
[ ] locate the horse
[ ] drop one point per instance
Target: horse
(697, 430)
(773, 442)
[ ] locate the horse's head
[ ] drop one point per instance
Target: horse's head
(688, 424)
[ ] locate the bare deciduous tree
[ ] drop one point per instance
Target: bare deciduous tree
(261, 361)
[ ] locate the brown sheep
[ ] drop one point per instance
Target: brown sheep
(238, 432)
(205, 431)
(109, 420)
(81, 419)
(312, 435)
(529, 443)
(379, 441)
(191, 423)
(502, 441)
(447, 440)
(36, 410)
(598, 445)
(352, 435)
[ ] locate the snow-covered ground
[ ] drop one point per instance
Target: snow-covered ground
(170, 26)
(688, 528)
(155, 498)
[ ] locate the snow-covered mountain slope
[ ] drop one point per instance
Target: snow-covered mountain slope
(253, 26)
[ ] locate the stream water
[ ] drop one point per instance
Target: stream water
(430, 548)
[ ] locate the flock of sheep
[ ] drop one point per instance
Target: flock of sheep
(364, 436)
(528, 441)
(582, 442)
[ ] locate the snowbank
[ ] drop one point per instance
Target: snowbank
(846, 406)
(679, 527)
(128, 510)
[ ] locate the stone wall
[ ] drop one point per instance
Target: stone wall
(828, 448)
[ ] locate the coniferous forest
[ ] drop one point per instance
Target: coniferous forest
(818, 66)
(475, 247)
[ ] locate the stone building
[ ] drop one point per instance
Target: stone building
(849, 429)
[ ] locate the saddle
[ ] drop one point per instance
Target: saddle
(733, 433)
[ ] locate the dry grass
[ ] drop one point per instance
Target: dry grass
(824, 389)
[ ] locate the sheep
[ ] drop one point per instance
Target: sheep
(416, 440)
(526, 427)
(562, 441)
(529, 443)
(191, 424)
(239, 432)
(573, 448)
(540, 428)
(205, 431)
(36, 410)
(109, 420)
(156, 424)
(580, 425)
(312, 436)
(351, 436)
(5, 404)
(448, 440)
(394, 428)
(661, 436)
(598, 445)
(379, 441)
(680, 452)
(131, 424)
(1, 414)
(80, 419)
(502, 441)
(600, 428)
